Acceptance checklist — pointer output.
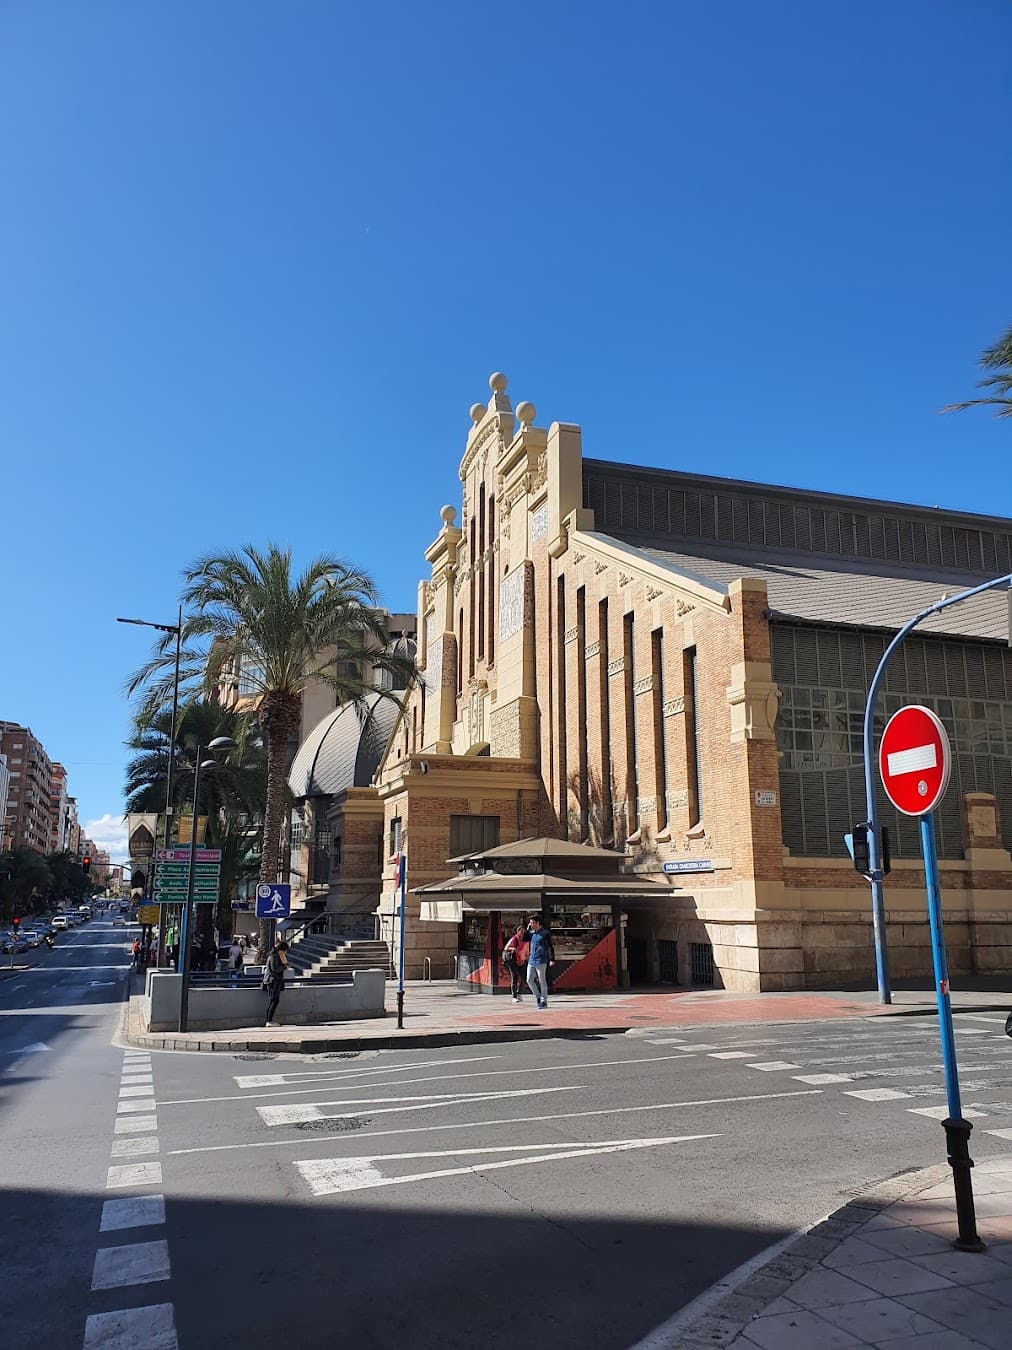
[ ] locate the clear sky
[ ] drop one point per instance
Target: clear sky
(258, 258)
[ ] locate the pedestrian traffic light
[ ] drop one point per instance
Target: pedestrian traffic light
(862, 856)
(86, 864)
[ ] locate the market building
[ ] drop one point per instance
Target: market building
(671, 668)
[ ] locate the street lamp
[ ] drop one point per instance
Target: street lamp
(219, 743)
(176, 628)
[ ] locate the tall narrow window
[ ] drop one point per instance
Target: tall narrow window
(604, 711)
(479, 568)
(470, 602)
(460, 651)
(581, 710)
(560, 658)
(660, 746)
(632, 777)
(491, 581)
(421, 716)
(693, 757)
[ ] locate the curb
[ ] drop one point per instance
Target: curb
(728, 1307)
(312, 1045)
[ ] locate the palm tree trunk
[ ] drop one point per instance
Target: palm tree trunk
(277, 756)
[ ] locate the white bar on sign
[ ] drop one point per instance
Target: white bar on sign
(912, 761)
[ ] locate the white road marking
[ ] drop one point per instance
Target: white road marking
(999, 1134)
(878, 1094)
(136, 1124)
(132, 1263)
(297, 1113)
(483, 1073)
(972, 1031)
(132, 1079)
(328, 1176)
(136, 1091)
(665, 1040)
(28, 1049)
(307, 1076)
(996, 1019)
(820, 1078)
(938, 1113)
(151, 1328)
(134, 1148)
(773, 1065)
(730, 1054)
(134, 1174)
(513, 1120)
(145, 1104)
(136, 1211)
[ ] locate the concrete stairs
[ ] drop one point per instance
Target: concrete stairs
(322, 954)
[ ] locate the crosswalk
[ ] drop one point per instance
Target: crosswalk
(853, 1058)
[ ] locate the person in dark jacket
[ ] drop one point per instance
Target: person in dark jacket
(540, 957)
(274, 978)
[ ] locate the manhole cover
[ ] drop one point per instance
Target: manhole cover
(254, 1058)
(338, 1126)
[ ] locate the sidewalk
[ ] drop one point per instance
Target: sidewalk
(440, 1014)
(880, 1272)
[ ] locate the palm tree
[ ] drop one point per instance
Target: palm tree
(997, 357)
(247, 613)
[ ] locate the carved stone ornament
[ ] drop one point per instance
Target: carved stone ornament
(617, 666)
(653, 593)
(674, 706)
(644, 686)
(600, 567)
(539, 474)
(683, 607)
(571, 634)
(539, 523)
(594, 649)
(578, 557)
(624, 579)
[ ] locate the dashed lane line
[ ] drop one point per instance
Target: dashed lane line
(150, 1328)
(135, 1211)
(131, 1263)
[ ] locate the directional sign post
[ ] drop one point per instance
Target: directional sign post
(915, 763)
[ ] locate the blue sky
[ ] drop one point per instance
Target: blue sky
(260, 256)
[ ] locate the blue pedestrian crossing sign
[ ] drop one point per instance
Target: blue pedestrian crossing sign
(273, 902)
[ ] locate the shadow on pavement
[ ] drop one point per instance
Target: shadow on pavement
(371, 1274)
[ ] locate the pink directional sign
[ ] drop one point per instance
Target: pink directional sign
(181, 855)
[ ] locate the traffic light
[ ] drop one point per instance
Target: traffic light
(86, 864)
(15, 921)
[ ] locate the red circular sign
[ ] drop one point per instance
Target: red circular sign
(914, 760)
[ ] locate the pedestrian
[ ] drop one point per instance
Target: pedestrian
(541, 955)
(514, 958)
(135, 951)
(274, 978)
(235, 956)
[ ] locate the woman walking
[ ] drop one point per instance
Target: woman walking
(274, 978)
(514, 958)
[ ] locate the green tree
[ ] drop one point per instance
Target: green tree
(248, 614)
(25, 881)
(69, 881)
(997, 358)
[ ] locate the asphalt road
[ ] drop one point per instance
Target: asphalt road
(586, 1188)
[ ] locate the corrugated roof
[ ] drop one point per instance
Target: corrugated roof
(834, 591)
(344, 748)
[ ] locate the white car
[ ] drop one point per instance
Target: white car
(60, 921)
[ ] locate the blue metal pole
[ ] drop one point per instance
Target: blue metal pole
(402, 879)
(941, 969)
(957, 1130)
(875, 873)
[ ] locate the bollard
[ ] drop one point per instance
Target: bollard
(957, 1143)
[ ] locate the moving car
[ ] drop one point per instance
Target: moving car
(60, 922)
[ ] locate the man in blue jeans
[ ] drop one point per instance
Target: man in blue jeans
(541, 957)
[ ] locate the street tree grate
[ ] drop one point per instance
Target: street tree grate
(333, 1126)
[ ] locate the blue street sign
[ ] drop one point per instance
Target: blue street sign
(273, 902)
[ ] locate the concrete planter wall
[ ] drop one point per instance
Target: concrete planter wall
(227, 1008)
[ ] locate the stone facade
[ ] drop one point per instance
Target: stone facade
(575, 684)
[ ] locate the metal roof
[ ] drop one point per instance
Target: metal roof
(344, 749)
(493, 890)
(836, 591)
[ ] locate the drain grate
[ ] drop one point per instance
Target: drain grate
(255, 1059)
(339, 1126)
(339, 1054)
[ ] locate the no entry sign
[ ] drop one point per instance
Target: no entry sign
(914, 760)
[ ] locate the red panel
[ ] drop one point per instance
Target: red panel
(597, 970)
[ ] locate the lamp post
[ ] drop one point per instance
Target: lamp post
(176, 628)
(219, 743)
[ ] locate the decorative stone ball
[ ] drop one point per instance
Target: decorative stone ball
(497, 382)
(448, 514)
(477, 412)
(527, 413)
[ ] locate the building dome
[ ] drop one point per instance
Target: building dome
(344, 749)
